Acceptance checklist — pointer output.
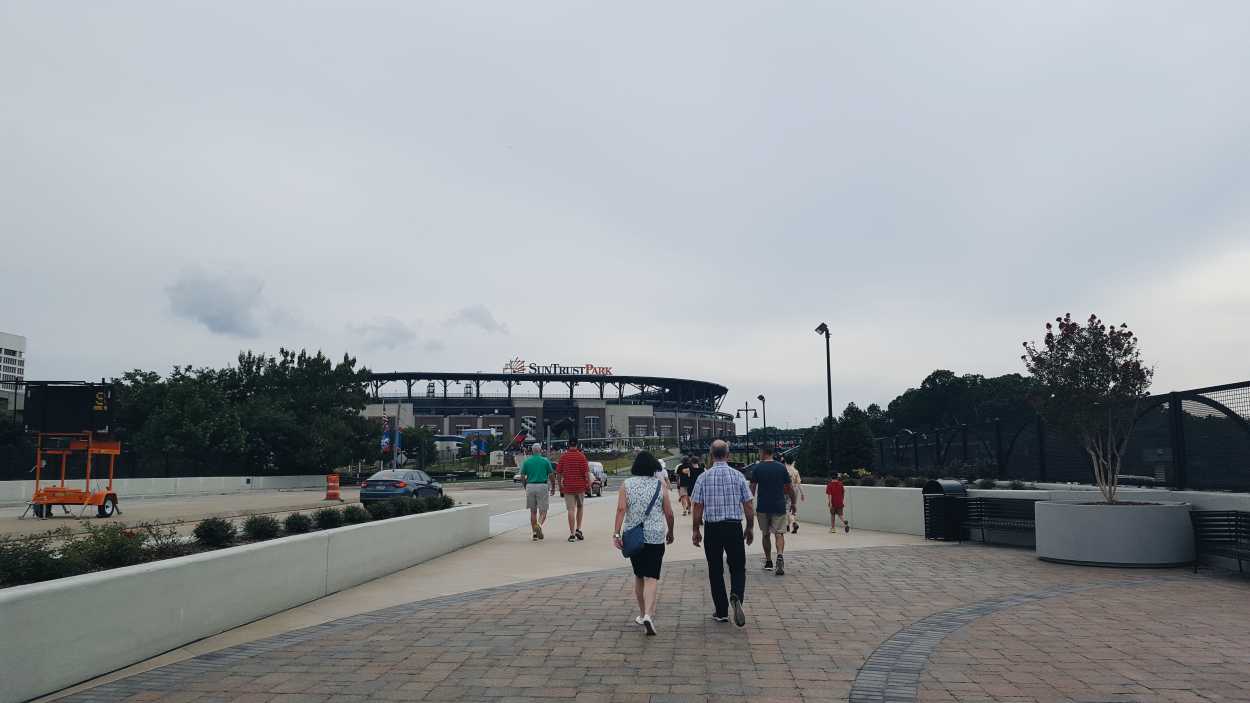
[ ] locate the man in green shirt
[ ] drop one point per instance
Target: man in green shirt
(537, 477)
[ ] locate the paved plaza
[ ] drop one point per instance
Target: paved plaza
(884, 623)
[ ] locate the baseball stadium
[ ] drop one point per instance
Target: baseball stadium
(552, 402)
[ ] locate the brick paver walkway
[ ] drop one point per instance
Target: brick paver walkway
(928, 623)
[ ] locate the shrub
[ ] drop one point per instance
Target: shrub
(297, 524)
(258, 527)
(917, 482)
(164, 543)
(106, 546)
(401, 506)
(32, 559)
(848, 481)
(380, 510)
(214, 532)
(868, 480)
(355, 514)
(442, 502)
(986, 483)
(328, 518)
(890, 482)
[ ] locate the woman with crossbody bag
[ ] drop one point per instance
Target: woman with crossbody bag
(644, 524)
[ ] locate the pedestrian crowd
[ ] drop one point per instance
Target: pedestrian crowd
(724, 504)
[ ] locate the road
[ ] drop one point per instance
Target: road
(503, 498)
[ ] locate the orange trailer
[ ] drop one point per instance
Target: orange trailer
(65, 445)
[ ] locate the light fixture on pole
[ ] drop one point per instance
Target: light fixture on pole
(764, 409)
(746, 412)
(823, 330)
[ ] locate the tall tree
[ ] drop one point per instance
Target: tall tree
(853, 440)
(813, 457)
(1091, 378)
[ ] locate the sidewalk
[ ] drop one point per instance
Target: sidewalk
(508, 558)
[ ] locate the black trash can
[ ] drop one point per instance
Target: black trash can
(945, 508)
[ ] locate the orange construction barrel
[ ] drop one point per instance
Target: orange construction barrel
(332, 487)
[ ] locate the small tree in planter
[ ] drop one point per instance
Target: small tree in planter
(1090, 379)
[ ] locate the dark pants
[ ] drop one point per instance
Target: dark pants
(722, 542)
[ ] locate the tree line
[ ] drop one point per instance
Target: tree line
(943, 399)
(289, 413)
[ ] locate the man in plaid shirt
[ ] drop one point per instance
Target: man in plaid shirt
(722, 500)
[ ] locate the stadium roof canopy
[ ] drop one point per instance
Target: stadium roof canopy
(649, 389)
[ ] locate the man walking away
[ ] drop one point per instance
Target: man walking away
(721, 500)
(538, 479)
(770, 482)
(796, 482)
(835, 495)
(574, 473)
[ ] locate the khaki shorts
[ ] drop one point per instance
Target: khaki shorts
(537, 496)
(573, 500)
(775, 523)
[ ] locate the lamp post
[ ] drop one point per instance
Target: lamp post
(745, 412)
(764, 409)
(823, 330)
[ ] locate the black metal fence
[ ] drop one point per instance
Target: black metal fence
(1196, 439)
(17, 463)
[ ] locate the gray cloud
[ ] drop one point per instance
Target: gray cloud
(225, 303)
(384, 333)
(477, 316)
(388, 333)
(934, 180)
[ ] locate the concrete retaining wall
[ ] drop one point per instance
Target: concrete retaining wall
(869, 508)
(1200, 500)
(17, 492)
(902, 509)
(63, 632)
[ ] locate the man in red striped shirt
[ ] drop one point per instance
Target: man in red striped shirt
(574, 473)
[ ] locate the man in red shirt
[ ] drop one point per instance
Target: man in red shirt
(835, 494)
(574, 473)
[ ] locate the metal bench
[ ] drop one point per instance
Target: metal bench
(1010, 514)
(1224, 533)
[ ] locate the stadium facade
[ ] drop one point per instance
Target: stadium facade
(552, 400)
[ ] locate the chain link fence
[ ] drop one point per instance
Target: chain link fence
(1196, 439)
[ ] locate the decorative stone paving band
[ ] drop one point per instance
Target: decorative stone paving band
(892, 672)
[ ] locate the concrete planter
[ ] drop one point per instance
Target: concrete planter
(59, 633)
(1114, 535)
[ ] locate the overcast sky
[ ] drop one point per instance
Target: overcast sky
(678, 189)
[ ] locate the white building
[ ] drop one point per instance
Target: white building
(12, 370)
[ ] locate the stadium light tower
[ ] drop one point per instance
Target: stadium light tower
(823, 330)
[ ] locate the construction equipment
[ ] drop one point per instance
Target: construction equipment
(72, 421)
(65, 445)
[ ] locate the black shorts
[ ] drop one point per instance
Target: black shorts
(648, 560)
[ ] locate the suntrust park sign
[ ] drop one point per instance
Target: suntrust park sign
(518, 365)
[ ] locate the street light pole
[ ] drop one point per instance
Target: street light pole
(745, 412)
(764, 409)
(823, 329)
